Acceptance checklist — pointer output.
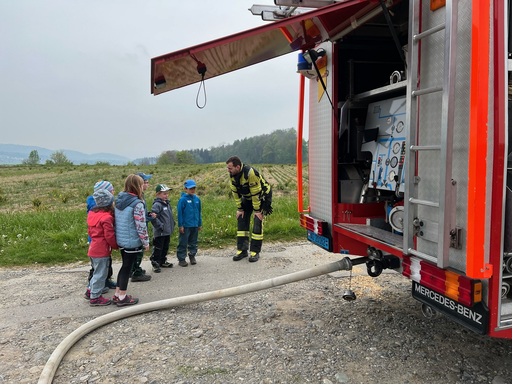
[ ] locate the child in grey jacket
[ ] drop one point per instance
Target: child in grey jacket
(163, 227)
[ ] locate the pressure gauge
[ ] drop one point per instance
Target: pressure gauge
(394, 162)
(400, 127)
(396, 147)
(391, 176)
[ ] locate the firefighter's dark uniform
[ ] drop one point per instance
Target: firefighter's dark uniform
(252, 193)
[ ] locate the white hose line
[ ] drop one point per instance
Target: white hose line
(58, 354)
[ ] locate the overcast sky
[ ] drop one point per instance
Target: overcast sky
(75, 74)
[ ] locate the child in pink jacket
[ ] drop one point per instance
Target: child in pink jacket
(103, 239)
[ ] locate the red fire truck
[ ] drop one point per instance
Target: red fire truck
(408, 138)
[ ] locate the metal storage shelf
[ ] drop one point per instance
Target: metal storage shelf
(374, 234)
(382, 91)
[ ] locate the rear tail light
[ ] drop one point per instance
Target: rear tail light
(450, 284)
(314, 225)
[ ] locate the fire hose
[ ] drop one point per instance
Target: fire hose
(58, 354)
(505, 289)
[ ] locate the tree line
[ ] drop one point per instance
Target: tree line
(278, 147)
(56, 158)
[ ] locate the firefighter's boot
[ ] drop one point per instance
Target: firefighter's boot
(240, 255)
(254, 257)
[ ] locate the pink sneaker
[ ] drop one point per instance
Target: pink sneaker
(87, 294)
(100, 301)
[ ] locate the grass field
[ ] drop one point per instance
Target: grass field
(43, 209)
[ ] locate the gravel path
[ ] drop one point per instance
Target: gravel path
(299, 333)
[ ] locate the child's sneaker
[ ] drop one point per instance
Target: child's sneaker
(110, 283)
(141, 278)
(100, 301)
(143, 272)
(182, 263)
(115, 299)
(128, 300)
(166, 264)
(156, 268)
(87, 294)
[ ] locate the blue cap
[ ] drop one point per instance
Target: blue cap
(144, 176)
(190, 184)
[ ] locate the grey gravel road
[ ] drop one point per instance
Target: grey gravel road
(298, 333)
(58, 289)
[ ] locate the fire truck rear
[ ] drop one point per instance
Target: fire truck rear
(408, 138)
(411, 168)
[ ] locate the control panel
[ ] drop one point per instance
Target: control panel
(384, 137)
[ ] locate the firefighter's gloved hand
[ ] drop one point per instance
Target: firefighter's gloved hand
(266, 208)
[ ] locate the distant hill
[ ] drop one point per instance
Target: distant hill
(15, 154)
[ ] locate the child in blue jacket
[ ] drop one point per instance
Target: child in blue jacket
(189, 223)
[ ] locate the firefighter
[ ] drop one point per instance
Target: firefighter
(252, 193)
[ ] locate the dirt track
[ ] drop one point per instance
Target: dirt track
(302, 332)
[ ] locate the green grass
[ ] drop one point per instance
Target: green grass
(43, 237)
(43, 210)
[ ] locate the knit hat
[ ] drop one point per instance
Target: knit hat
(190, 184)
(103, 184)
(162, 188)
(103, 198)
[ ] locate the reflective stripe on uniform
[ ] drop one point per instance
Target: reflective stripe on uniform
(255, 236)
